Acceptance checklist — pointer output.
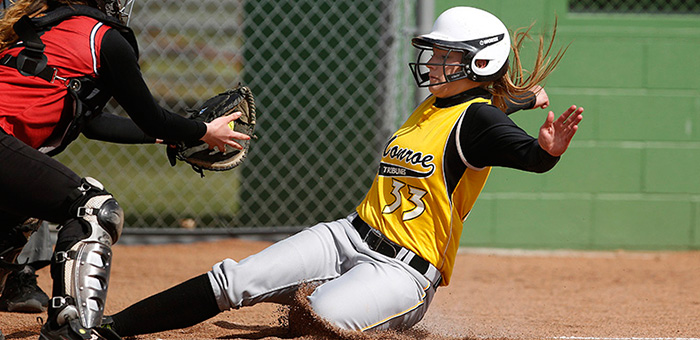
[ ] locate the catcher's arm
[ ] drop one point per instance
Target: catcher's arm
(219, 134)
(111, 128)
(108, 127)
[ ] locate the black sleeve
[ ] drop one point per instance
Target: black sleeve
(111, 128)
(525, 102)
(120, 72)
(489, 138)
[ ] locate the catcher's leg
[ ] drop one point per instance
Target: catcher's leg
(39, 247)
(34, 184)
(12, 241)
(81, 263)
(21, 292)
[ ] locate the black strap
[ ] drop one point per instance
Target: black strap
(379, 243)
(48, 73)
(31, 60)
(61, 13)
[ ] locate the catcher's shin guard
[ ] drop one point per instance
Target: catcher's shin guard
(81, 272)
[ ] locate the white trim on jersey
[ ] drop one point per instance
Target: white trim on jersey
(93, 50)
(459, 144)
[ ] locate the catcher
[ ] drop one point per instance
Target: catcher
(60, 61)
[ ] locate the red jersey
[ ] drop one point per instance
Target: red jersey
(30, 107)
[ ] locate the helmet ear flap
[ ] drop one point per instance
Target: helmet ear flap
(498, 74)
(497, 61)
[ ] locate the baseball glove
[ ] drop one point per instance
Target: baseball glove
(198, 154)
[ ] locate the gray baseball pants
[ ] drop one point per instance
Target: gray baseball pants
(359, 289)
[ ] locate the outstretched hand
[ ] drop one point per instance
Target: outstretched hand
(555, 135)
(219, 133)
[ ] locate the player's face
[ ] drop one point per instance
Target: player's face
(437, 73)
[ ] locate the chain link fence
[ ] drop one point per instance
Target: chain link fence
(635, 6)
(331, 82)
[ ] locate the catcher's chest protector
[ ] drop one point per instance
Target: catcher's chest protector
(79, 80)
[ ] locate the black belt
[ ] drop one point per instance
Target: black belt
(379, 243)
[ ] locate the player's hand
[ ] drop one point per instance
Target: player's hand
(541, 97)
(555, 135)
(219, 133)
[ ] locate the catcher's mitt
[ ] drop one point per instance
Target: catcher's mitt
(198, 154)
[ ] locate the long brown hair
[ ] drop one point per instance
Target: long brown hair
(32, 8)
(517, 81)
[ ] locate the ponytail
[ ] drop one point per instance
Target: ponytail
(517, 82)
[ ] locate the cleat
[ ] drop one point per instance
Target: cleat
(107, 322)
(74, 331)
(22, 294)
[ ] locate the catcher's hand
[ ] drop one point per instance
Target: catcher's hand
(200, 155)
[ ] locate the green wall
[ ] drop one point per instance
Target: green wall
(630, 179)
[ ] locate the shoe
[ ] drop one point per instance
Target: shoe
(22, 294)
(73, 330)
(107, 322)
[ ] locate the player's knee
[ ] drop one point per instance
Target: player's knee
(94, 205)
(332, 311)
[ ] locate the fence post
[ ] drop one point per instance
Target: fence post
(425, 15)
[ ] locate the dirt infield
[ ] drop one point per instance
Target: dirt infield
(506, 295)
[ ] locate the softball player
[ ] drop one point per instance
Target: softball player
(379, 267)
(60, 61)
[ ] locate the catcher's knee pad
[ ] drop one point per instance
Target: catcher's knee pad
(84, 268)
(98, 207)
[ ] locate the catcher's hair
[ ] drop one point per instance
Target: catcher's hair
(517, 81)
(32, 8)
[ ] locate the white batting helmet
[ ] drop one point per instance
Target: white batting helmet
(477, 34)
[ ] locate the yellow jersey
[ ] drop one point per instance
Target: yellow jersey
(425, 188)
